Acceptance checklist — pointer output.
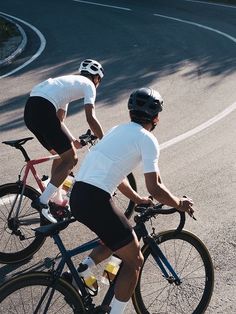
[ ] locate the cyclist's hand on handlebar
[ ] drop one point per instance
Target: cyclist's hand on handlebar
(145, 200)
(77, 144)
(186, 205)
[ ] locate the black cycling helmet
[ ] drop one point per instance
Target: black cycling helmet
(145, 100)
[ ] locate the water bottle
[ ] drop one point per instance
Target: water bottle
(45, 180)
(68, 184)
(89, 278)
(110, 270)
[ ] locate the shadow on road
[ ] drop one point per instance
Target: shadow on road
(122, 76)
(134, 54)
(6, 271)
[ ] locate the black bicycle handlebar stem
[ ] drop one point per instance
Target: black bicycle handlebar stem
(86, 138)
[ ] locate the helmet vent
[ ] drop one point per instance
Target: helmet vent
(91, 66)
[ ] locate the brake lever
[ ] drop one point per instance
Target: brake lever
(141, 208)
(192, 216)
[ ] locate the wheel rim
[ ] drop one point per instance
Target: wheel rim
(17, 239)
(158, 295)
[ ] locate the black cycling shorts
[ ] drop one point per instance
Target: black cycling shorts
(95, 208)
(41, 119)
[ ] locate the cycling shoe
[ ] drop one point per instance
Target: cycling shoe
(43, 209)
(59, 212)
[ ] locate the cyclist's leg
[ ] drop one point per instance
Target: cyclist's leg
(41, 118)
(100, 253)
(62, 169)
(100, 214)
(63, 166)
(132, 259)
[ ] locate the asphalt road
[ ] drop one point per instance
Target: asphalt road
(184, 49)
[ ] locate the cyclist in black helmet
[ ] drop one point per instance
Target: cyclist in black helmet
(45, 114)
(103, 170)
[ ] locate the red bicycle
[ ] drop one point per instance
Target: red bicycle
(18, 242)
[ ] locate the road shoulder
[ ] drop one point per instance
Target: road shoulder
(14, 45)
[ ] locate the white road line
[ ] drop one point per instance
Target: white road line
(211, 3)
(198, 25)
(199, 128)
(103, 5)
(219, 116)
(36, 55)
(176, 139)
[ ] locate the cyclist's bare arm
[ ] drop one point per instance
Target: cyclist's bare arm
(159, 191)
(92, 120)
(129, 192)
(61, 114)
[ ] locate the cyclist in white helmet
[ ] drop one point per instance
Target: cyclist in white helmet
(45, 114)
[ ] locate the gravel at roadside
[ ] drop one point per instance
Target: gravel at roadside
(12, 46)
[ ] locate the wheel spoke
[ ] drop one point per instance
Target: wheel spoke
(32, 293)
(17, 239)
(192, 263)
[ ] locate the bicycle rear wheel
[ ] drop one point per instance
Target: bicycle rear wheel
(17, 239)
(122, 201)
(27, 294)
(191, 261)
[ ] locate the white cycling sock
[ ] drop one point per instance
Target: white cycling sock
(117, 307)
(47, 193)
(88, 261)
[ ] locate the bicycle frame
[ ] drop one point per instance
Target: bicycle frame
(29, 167)
(157, 254)
(66, 256)
(162, 261)
(66, 259)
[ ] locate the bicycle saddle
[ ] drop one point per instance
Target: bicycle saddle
(15, 143)
(49, 230)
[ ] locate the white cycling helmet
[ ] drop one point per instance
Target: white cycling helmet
(91, 66)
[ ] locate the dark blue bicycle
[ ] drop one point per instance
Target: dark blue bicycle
(177, 275)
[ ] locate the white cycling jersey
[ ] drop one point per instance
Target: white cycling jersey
(117, 154)
(60, 91)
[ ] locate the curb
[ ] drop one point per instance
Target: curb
(21, 46)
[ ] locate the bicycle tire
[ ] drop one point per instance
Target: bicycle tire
(13, 247)
(22, 295)
(154, 294)
(122, 201)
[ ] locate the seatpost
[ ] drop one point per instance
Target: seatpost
(21, 148)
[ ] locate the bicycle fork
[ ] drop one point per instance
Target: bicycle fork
(167, 270)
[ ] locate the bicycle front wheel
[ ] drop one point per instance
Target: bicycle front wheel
(17, 239)
(191, 261)
(122, 201)
(35, 293)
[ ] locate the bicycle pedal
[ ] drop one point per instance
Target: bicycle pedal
(59, 212)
